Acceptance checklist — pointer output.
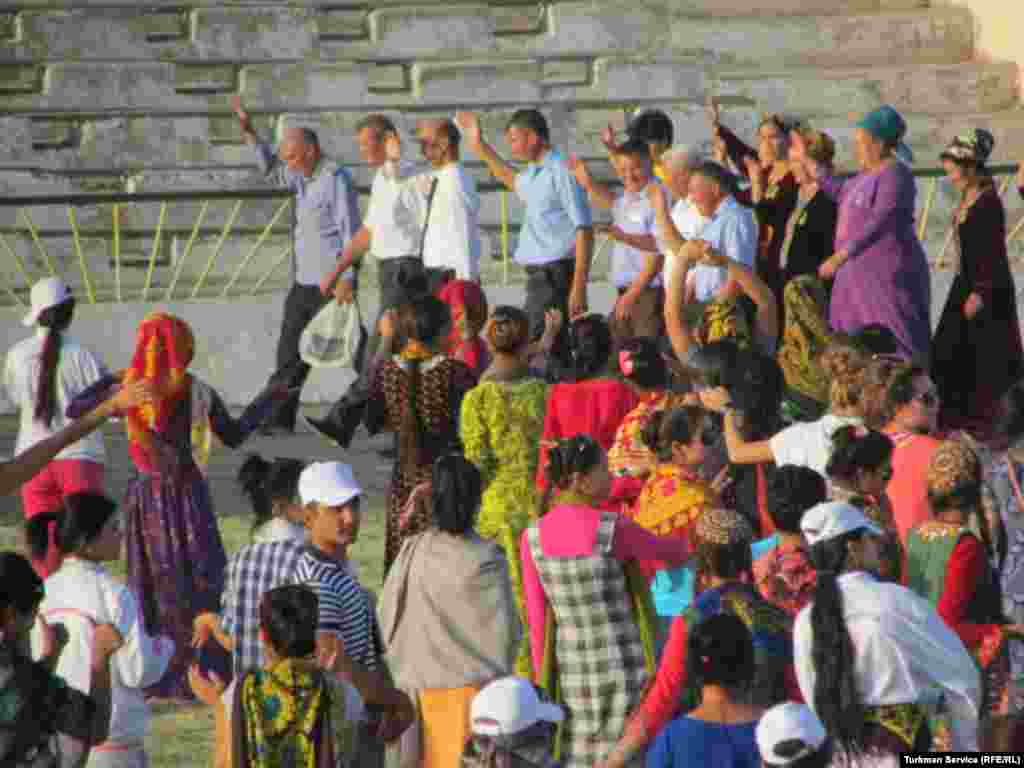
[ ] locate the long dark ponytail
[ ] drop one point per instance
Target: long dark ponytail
(837, 699)
(268, 483)
(430, 316)
(56, 320)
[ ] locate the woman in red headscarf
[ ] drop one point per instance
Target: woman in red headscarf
(176, 557)
(468, 306)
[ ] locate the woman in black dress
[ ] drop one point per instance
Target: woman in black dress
(976, 352)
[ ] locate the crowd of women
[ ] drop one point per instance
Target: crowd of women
(787, 530)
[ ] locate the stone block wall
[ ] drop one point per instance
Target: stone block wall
(105, 95)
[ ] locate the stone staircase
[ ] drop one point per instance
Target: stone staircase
(104, 95)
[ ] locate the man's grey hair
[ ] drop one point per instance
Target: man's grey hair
(726, 181)
(682, 157)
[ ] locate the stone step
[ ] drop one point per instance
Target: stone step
(155, 88)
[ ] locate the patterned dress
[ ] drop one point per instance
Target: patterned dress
(176, 558)
(501, 427)
(442, 384)
(938, 568)
(601, 667)
(785, 577)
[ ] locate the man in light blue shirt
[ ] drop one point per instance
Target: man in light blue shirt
(731, 229)
(326, 217)
(556, 240)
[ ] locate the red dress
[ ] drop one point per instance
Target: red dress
(594, 407)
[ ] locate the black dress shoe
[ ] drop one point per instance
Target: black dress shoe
(325, 429)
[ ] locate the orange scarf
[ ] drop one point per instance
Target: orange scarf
(163, 351)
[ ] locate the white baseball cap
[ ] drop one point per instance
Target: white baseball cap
(508, 706)
(790, 722)
(48, 292)
(834, 518)
(328, 482)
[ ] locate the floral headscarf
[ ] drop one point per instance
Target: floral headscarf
(163, 351)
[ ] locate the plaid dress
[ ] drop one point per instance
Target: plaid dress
(601, 671)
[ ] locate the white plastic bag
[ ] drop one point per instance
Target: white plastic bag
(332, 338)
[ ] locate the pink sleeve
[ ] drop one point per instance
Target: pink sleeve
(666, 695)
(536, 605)
(634, 542)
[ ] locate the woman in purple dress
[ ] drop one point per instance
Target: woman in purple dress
(880, 270)
(176, 557)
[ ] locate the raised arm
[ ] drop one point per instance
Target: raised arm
(25, 465)
(767, 320)
(469, 124)
(679, 332)
(269, 162)
(598, 193)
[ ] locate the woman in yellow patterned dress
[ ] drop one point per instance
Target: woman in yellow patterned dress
(674, 498)
(501, 425)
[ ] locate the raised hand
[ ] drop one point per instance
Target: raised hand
(753, 167)
(469, 124)
(139, 392)
(713, 112)
(608, 138)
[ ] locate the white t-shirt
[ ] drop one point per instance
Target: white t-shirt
(77, 370)
(689, 223)
(809, 444)
(394, 229)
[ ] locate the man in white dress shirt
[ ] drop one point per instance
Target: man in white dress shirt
(448, 205)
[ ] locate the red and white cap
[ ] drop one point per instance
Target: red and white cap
(47, 293)
(508, 706)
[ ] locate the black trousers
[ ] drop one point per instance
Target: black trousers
(547, 287)
(300, 307)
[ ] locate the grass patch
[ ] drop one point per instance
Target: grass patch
(183, 735)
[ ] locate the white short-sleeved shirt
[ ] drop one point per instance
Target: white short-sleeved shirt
(632, 213)
(77, 370)
(688, 222)
(809, 444)
(395, 227)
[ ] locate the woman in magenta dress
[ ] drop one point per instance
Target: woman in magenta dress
(175, 554)
(880, 270)
(976, 352)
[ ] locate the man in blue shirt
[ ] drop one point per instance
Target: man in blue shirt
(326, 217)
(556, 240)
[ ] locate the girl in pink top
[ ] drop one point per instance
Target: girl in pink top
(574, 560)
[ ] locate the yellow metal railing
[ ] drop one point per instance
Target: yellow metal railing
(216, 281)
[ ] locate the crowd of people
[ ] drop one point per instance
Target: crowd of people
(760, 514)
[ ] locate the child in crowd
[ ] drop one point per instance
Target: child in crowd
(81, 595)
(512, 727)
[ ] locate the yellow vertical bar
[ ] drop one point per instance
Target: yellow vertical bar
(504, 236)
(273, 268)
(1015, 231)
(188, 250)
(82, 265)
(155, 250)
(256, 247)
(1004, 185)
(922, 227)
(39, 243)
(116, 218)
(17, 260)
(216, 251)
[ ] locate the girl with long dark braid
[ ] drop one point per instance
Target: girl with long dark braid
(417, 394)
(870, 654)
(43, 374)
